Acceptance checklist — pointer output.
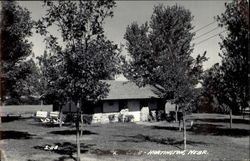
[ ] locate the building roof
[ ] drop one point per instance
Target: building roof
(129, 90)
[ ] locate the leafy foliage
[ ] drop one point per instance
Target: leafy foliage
(16, 26)
(228, 81)
(73, 69)
(161, 54)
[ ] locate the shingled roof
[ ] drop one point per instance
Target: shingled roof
(128, 90)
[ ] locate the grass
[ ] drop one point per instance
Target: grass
(23, 109)
(25, 139)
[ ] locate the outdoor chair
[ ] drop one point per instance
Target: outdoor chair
(45, 120)
(52, 118)
(42, 116)
(55, 117)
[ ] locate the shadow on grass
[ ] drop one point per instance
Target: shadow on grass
(165, 141)
(236, 121)
(69, 125)
(9, 118)
(65, 158)
(165, 128)
(72, 132)
(44, 125)
(66, 149)
(210, 129)
(15, 135)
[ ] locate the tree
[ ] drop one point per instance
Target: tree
(16, 26)
(229, 80)
(31, 86)
(86, 56)
(235, 52)
(50, 86)
(161, 55)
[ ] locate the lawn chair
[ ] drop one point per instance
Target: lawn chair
(42, 116)
(55, 117)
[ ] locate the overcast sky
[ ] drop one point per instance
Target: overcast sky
(127, 12)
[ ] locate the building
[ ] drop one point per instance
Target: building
(122, 95)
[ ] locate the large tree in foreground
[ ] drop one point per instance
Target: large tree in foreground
(161, 55)
(85, 56)
(15, 28)
(228, 81)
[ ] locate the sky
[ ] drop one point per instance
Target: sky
(127, 12)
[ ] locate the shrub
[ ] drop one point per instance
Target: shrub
(128, 118)
(120, 118)
(152, 116)
(111, 118)
(23, 101)
(171, 116)
(179, 116)
(160, 116)
(87, 119)
(13, 101)
(69, 117)
(63, 117)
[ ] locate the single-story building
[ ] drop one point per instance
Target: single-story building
(122, 95)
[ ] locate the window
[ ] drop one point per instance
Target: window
(123, 104)
(151, 101)
(111, 103)
(143, 103)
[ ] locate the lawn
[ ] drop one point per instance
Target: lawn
(23, 109)
(208, 139)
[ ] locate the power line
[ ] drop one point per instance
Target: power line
(209, 38)
(206, 33)
(205, 26)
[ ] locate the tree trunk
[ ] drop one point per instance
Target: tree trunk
(77, 132)
(60, 120)
(184, 132)
(179, 125)
(81, 124)
(70, 111)
(231, 120)
(41, 104)
(242, 112)
(176, 113)
(60, 116)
